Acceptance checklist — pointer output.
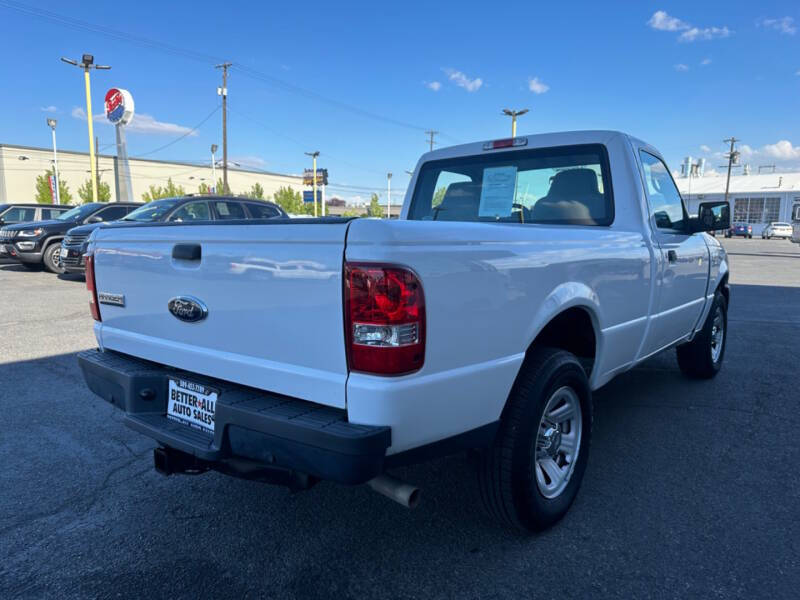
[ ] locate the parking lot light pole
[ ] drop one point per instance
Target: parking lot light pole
(514, 114)
(52, 124)
(214, 168)
(389, 195)
(87, 62)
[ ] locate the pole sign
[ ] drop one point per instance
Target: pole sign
(119, 106)
(308, 196)
(322, 177)
(52, 181)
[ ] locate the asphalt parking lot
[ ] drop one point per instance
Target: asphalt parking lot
(692, 488)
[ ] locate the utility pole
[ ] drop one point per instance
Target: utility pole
(213, 169)
(87, 62)
(52, 124)
(514, 114)
(431, 133)
(223, 91)
(733, 156)
(314, 155)
(389, 195)
(97, 165)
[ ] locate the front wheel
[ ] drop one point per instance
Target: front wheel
(702, 357)
(531, 474)
(52, 259)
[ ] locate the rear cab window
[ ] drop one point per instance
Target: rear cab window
(563, 185)
(227, 210)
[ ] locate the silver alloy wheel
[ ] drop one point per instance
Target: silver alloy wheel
(717, 335)
(558, 442)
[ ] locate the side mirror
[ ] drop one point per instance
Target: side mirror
(94, 219)
(712, 216)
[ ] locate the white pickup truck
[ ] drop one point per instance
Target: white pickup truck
(522, 274)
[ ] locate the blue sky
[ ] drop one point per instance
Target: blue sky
(360, 82)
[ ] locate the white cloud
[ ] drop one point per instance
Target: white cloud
(49, 109)
(434, 85)
(782, 150)
(249, 161)
(536, 86)
(785, 25)
(141, 123)
(680, 67)
(663, 22)
(704, 148)
(705, 62)
(705, 33)
(461, 80)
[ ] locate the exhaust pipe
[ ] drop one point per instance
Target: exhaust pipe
(399, 491)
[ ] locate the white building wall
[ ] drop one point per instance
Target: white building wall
(18, 176)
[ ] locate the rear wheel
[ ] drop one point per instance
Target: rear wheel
(532, 472)
(51, 258)
(702, 357)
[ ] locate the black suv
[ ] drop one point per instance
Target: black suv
(22, 213)
(187, 208)
(39, 243)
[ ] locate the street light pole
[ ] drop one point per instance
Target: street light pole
(87, 62)
(731, 158)
(214, 168)
(389, 195)
(314, 155)
(52, 124)
(514, 114)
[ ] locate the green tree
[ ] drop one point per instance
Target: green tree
(256, 191)
(204, 188)
(353, 212)
(168, 191)
(438, 196)
(375, 209)
(292, 201)
(103, 191)
(43, 195)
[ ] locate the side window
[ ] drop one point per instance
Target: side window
(19, 215)
(51, 213)
(262, 211)
(194, 211)
(666, 205)
(229, 210)
(112, 213)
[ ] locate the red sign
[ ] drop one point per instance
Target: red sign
(52, 181)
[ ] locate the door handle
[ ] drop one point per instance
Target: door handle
(672, 256)
(186, 252)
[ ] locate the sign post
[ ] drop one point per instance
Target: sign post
(119, 110)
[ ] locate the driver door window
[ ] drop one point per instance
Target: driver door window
(666, 205)
(194, 211)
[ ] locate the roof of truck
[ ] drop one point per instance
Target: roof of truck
(539, 140)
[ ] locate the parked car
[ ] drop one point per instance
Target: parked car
(779, 230)
(482, 319)
(740, 230)
(183, 209)
(38, 244)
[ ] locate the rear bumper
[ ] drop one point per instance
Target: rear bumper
(275, 431)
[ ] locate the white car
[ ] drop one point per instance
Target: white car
(522, 275)
(777, 229)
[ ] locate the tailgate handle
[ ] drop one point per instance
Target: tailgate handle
(186, 252)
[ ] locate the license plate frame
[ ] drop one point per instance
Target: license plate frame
(64, 253)
(192, 403)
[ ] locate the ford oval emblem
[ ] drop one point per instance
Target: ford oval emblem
(187, 309)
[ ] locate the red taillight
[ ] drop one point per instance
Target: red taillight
(92, 287)
(385, 319)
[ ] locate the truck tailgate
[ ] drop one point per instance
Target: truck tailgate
(273, 294)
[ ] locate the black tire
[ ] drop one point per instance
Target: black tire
(508, 482)
(698, 359)
(51, 260)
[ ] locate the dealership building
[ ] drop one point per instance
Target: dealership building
(757, 199)
(20, 165)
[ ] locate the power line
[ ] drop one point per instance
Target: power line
(178, 139)
(251, 72)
